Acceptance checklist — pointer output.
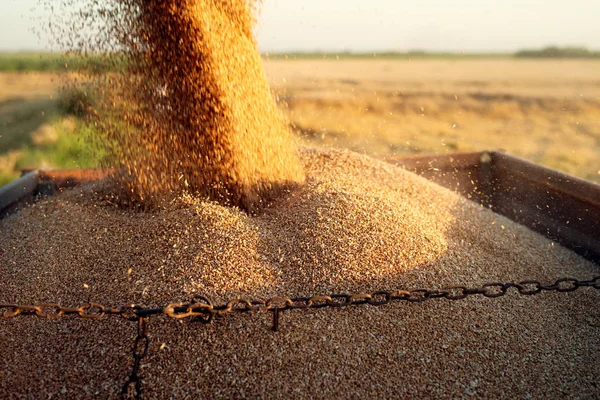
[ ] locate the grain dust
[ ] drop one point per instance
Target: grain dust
(191, 110)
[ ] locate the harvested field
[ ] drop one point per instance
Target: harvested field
(546, 111)
(357, 225)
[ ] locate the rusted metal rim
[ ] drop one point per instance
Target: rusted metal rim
(21, 188)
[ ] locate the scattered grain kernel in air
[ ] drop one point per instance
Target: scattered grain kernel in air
(192, 110)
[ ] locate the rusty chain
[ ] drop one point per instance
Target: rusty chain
(140, 350)
(201, 308)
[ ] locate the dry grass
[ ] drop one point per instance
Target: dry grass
(543, 110)
(35, 131)
(31, 85)
(546, 111)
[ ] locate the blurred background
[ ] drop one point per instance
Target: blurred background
(380, 77)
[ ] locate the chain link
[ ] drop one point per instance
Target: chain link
(140, 350)
(201, 309)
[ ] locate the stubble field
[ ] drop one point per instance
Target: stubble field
(547, 111)
(544, 110)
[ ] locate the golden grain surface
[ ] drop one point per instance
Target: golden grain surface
(357, 225)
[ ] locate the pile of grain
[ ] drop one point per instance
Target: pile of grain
(356, 225)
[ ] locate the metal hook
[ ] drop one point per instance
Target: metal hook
(275, 326)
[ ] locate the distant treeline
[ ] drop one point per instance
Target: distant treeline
(383, 55)
(50, 62)
(559, 52)
(15, 62)
(23, 62)
(548, 52)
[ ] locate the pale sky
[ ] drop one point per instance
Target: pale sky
(378, 25)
